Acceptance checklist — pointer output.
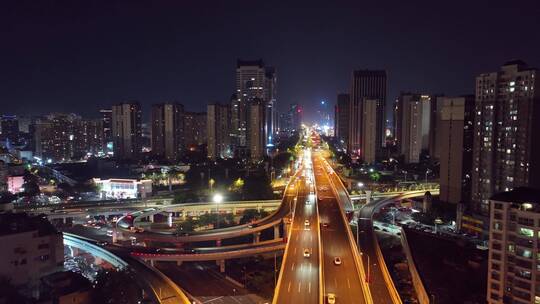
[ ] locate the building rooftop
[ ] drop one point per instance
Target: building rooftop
(241, 63)
(11, 223)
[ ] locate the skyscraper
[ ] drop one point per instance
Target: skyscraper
(295, 112)
(505, 153)
(126, 129)
(88, 137)
(250, 83)
(369, 130)
(270, 100)
(413, 117)
(167, 130)
(455, 140)
(194, 129)
(218, 131)
(254, 82)
(341, 119)
(366, 84)
(257, 133)
(106, 118)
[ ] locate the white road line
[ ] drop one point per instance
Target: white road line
(292, 267)
(335, 281)
(348, 283)
(289, 288)
(309, 287)
(294, 250)
(299, 286)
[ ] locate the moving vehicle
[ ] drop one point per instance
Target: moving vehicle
(307, 254)
(306, 222)
(337, 261)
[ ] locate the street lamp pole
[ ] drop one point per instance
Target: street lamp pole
(218, 198)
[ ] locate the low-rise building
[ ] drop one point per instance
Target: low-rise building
(120, 188)
(31, 248)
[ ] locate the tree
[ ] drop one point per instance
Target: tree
(185, 226)
(252, 214)
(31, 186)
(116, 287)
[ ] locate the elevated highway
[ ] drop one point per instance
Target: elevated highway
(345, 279)
(301, 274)
(162, 289)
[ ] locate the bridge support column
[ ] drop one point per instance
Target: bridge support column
(221, 264)
(276, 231)
(151, 218)
(256, 237)
(152, 263)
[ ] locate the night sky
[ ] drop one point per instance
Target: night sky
(78, 56)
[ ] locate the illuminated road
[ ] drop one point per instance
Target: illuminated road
(342, 280)
(299, 275)
(380, 283)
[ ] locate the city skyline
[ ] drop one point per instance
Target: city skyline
(104, 59)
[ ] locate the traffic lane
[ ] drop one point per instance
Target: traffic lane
(342, 280)
(300, 275)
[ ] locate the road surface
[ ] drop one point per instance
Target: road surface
(342, 280)
(299, 275)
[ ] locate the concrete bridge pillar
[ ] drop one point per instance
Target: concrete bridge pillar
(276, 231)
(256, 237)
(221, 264)
(152, 263)
(151, 218)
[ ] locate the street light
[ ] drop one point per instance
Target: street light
(360, 185)
(218, 198)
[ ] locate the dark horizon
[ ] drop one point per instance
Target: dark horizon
(74, 57)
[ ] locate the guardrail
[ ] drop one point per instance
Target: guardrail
(357, 260)
(322, 290)
(419, 287)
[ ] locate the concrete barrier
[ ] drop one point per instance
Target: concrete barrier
(421, 292)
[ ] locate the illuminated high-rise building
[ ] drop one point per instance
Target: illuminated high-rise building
(412, 120)
(505, 153)
(167, 130)
(127, 130)
(194, 129)
(218, 126)
(341, 118)
(366, 85)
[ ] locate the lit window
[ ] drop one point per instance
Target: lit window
(526, 232)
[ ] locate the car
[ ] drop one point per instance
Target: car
(325, 224)
(306, 222)
(307, 254)
(331, 298)
(337, 261)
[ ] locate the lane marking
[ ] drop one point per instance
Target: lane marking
(292, 267)
(294, 250)
(299, 286)
(289, 288)
(348, 283)
(335, 281)
(309, 287)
